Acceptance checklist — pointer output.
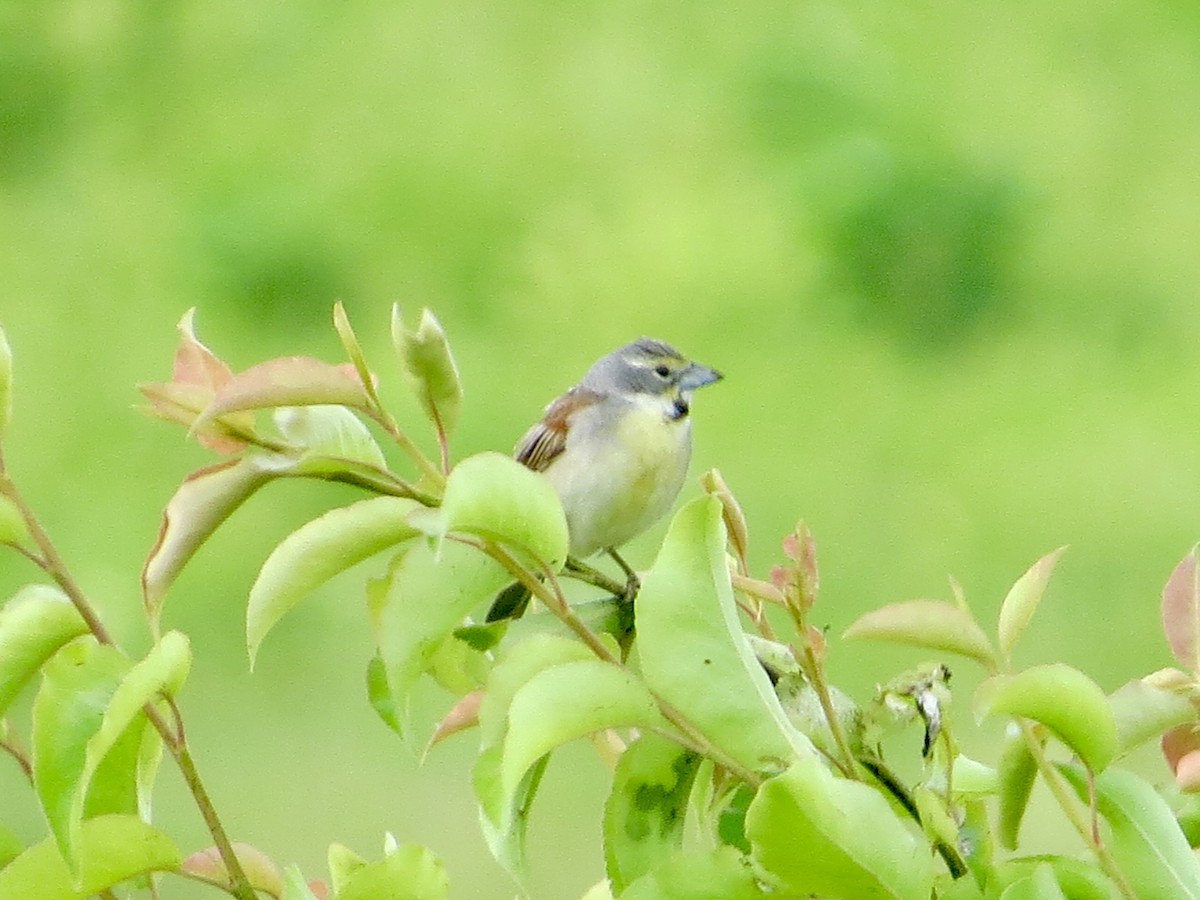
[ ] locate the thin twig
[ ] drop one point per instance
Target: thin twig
(52, 564)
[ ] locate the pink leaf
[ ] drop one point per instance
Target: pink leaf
(1181, 749)
(260, 871)
(289, 381)
(1181, 611)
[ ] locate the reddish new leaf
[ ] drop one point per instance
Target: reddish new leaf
(196, 376)
(289, 381)
(1181, 611)
(1181, 749)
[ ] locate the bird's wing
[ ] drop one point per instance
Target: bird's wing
(548, 438)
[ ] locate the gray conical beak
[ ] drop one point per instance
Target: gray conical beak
(697, 376)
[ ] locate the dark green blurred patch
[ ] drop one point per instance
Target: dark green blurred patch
(930, 255)
(32, 108)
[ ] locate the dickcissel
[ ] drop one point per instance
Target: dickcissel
(616, 448)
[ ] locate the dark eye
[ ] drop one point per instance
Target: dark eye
(662, 371)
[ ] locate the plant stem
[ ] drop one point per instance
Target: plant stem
(557, 603)
(52, 564)
(1064, 796)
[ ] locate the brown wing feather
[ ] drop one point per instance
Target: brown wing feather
(548, 438)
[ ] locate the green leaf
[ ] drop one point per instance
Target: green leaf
(11, 846)
(719, 874)
(206, 498)
(1181, 612)
(1077, 879)
(689, 635)
(1064, 700)
(504, 824)
(34, 624)
(1144, 713)
(294, 885)
(343, 863)
(424, 597)
(566, 702)
(329, 431)
(13, 529)
(1022, 601)
(110, 850)
(341, 323)
(6, 378)
(1016, 771)
(380, 696)
(1145, 839)
(68, 711)
(113, 754)
(518, 665)
(930, 624)
(1040, 885)
(429, 368)
(494, 496)
(319, 550)
(408, 873)
(817, 834)
(646, 810)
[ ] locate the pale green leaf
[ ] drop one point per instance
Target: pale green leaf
(1064, 700)
(1145, 839)
(409, 873)
(1144, 713)
(1022, 601)
(13, 529)
(319, 550)
(817, 834)
(929, 624)
(343, 863)
(341, 323)
(516, 667)
(718, 874)
(11, 845)
(566, 702)
(1078, 879)
(161, 673)
(329, 431)
(504, 820)
(694, 653)
(68, 711)
(647, 807)
(1039, 885)
(1016, 773)
(425, 596)
(34, 624)
(206, 498)
(110, 850)
(294, 885)
(429, 368)
(494, 496)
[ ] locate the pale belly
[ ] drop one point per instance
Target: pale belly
(625, 484)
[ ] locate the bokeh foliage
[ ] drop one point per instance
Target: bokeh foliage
(945, 254)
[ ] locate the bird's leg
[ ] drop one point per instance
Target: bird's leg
(632, 582)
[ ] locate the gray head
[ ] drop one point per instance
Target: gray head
(652, 367)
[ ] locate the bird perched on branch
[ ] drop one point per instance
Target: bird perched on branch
(616, 448)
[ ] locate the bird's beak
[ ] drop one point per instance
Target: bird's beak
(697, 376)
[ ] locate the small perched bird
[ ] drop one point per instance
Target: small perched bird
(616, 448)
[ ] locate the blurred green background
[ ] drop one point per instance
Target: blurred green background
(945, 253)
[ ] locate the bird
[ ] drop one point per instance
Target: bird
(615, 448)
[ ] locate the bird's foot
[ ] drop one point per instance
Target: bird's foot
(632, 583)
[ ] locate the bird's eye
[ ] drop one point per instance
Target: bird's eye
(662, 371)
